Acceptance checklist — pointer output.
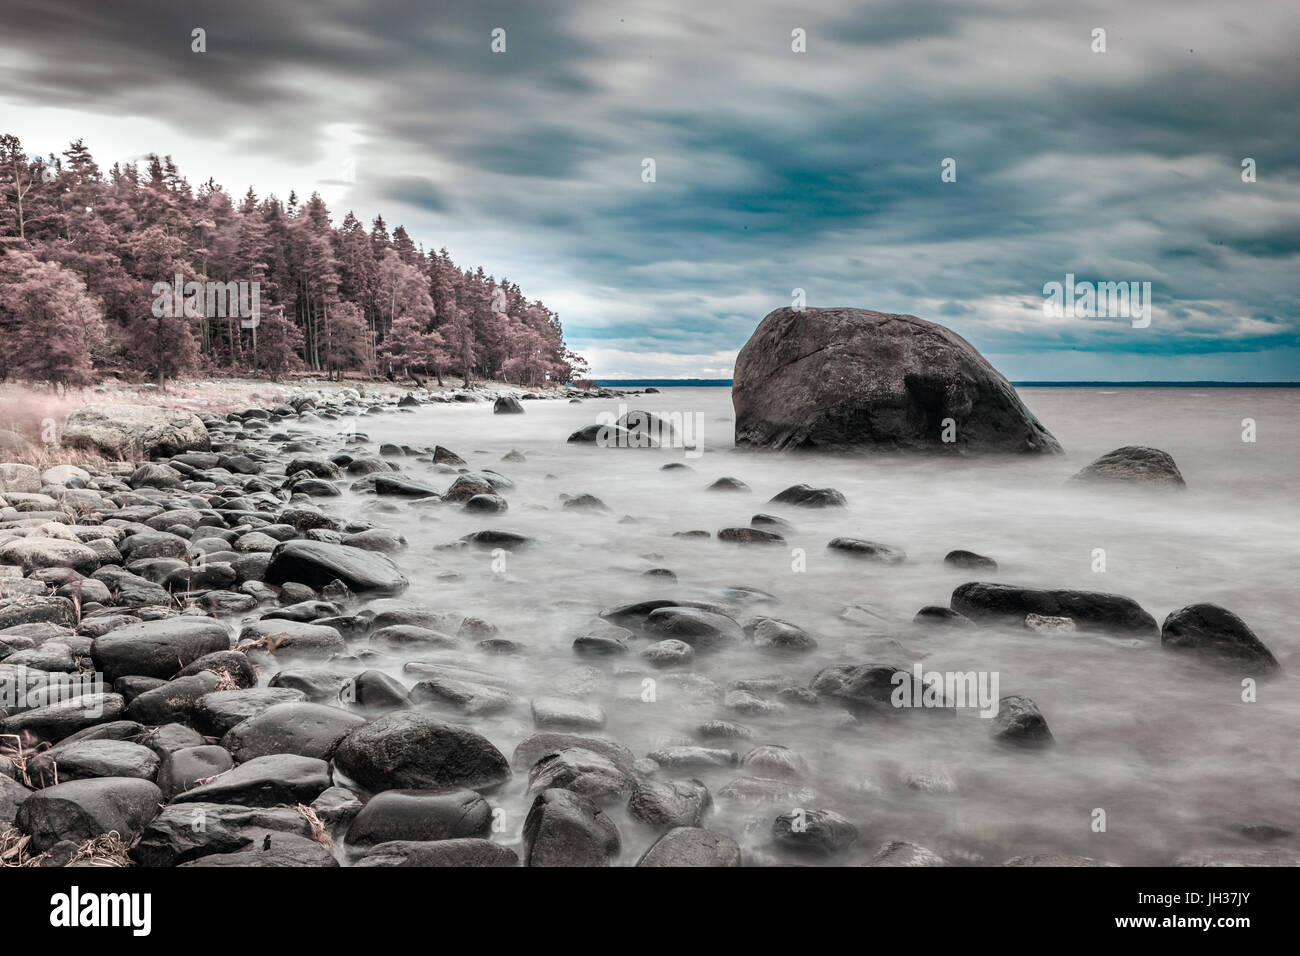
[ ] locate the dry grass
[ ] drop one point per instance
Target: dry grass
(318, 831)
(23, 749)
(14, 849)
(104, 850)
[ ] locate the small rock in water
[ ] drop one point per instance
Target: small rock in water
(818, 832)
(669, 653)
(1020, 723)
(728, 484)
(750, 536)
(1216, 634)
(805, 496)
(691, 846)
(1136, 464)
(868, 550)
(969, 560)
(1045, 622)
(901, 853)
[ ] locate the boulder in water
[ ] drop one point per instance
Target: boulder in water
(852, 378)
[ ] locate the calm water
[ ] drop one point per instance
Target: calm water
(1166, 747)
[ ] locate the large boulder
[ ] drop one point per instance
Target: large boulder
(124, 432)
(846, 378)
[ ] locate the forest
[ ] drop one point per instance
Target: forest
(82, 252)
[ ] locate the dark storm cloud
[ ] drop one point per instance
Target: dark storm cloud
(774, 170)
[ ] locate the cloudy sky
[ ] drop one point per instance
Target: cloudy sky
(775, 170)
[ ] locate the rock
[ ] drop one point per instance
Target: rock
(157, 648)
(34, 553)
(82, 810)
(703, 630)
(969, 560)
(23, 479)
(900, 853)
(819, 832)
(729, 484)
(583, 772)
(55, 722)
(183, 769)
(189, 831)
(665, 804)
(1054, 859)
(1136, 464)
(172, 701)
(566, 713)
(420, 816)
(124, 432)
(12, 795)
(868, 550)
(805, 496)
(336, 806)
(155, 475)
(934, 615)
(843, 378)
(316, 564)
(36, 609)
(407, 749)
(864, 688)
(507, 405)
(305, 729)
(470, 697)
(440, 853)
(1019, 722)
(216, 713)
(85, 759)
(534, 748)
(1091, 610)
(772, 634)
(375, 692)
(669, 653)
(1216, 634)
(774, 761)
(264, 782)
(1046, 624)
(695, 757)
(691, 846)
(749, 536)
(585, 503)
(565, 829)
(293, 640)
(393, 487)
(281, 850)
(487, 504)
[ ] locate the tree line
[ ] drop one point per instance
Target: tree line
(84, 255)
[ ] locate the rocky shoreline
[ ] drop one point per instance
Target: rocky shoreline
(188, 647)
